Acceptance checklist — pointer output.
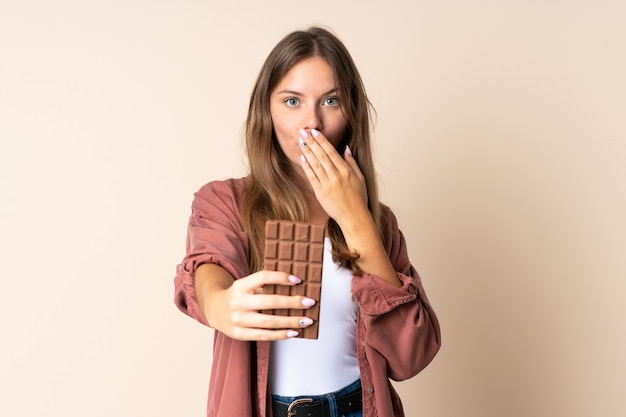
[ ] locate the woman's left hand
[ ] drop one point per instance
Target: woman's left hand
(339, 187)
(337, 182)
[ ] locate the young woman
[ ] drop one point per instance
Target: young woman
(308, 146)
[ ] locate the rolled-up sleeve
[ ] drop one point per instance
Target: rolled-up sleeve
(214, 235)
(400, 324)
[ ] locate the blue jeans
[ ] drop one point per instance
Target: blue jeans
(355, 386)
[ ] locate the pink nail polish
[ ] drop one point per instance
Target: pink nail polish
(292, 333)
(303, 133)
(294, 279)
(308, 302)
(302, 142)
(306, 322)
(348, 150)
(315, 133)
(302, 159)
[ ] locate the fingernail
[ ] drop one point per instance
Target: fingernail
(315, 133)
(302, 159)
(306, 322)
(303, 133)
(302, 142)
(294, 279)
(308, 302)
(292, 333)
(348, 150)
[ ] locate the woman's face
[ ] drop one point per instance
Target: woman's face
(306, 98)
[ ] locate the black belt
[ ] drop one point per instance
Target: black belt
(306, 407)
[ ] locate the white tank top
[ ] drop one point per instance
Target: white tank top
(313, 367)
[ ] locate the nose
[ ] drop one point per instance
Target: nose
(313, 119)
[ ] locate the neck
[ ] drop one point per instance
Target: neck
(317, 214)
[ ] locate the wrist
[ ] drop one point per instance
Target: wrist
(357, 224)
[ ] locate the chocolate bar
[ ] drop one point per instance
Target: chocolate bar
(298, 249)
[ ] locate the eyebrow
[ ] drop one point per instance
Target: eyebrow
(296, 93)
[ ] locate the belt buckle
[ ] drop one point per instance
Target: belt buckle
(301, 401)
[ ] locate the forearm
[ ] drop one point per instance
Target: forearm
(362, 237)
(209, 280)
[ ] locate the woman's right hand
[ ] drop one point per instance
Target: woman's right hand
(234, 307)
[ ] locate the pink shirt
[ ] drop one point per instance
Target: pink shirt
(397, 330)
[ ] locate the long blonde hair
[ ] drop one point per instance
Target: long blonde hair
(271, 192)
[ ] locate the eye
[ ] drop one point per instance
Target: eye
(331, 101)
(291, 102)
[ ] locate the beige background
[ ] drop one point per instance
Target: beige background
(501, 144)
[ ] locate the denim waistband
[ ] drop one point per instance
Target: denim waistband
(345, 401)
